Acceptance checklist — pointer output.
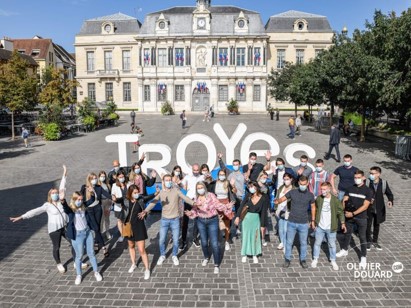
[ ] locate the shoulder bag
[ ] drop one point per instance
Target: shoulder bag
(126, 230)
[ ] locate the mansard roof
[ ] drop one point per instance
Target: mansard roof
(284, 22)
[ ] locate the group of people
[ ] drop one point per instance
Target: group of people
(294, 124)
(239, 199)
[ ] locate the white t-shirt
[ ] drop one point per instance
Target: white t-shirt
(280, 180)
(190, 182)
(325, 220)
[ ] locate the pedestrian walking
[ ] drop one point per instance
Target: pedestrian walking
(334, 142)
(25, 135)
(298, 124)
(291, 125)
(133, 116)
(183, 118)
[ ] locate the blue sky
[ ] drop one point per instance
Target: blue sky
(60, 20)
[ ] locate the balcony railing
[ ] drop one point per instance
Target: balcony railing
(107, 73)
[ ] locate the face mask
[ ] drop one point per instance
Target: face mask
(204, 173)
(102, 179)
(93, 182)
(78, 203)
(303, 187)
(280, 167)
(252, 190)
(263, 181)
(253, 161)
(121, 180)
(221, 177)
(176, 173)
(287, 182)
(201, 191)
(347, 163)
(135, 196)
(236, 168)
(318, 169)
(54, 197)
(372, 177)
(324, 192)
(303, 164)
(116, 169)
(137, 171)
(358, 181)
(168, 184)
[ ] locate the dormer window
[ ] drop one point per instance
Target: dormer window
(162, 25)
(107, 28)
(300, 25)
(241, 23)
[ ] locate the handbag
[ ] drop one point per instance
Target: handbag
(126, 230)
(65, 222)
(244, 212)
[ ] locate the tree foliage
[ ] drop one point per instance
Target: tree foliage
(18, 87)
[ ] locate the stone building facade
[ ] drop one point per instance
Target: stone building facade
(193, 57)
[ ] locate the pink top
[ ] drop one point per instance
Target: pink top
(209, 207)
(138, 181)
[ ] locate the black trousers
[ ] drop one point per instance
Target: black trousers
(95, 214)
(372, 220)
(337, 150)
(56, 237)
(361, 224)
(184, 228)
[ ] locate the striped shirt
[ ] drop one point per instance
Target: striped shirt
(316, 179)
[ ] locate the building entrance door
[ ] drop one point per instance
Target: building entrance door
(201, 100)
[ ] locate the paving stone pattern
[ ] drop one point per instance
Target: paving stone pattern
(28, 275)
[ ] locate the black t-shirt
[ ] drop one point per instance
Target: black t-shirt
(356, 197)
(255, 171)
(300, 201)
(346, 177)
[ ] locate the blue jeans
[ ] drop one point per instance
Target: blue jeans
(84, 238)
(341, 194)
(174, 225)
(302, 230)
(292, 132)
(331, 238)
(282, 230)
(208, 229)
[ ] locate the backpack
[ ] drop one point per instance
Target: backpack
(384, 185)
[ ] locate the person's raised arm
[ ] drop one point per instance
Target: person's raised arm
(220, 161)
(62, 188)
(268, 158)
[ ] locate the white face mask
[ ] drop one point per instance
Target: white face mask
(121, 180)
(201, 191)
(287, 182)
(176, 173)
(252, 161)
(102, 179)
(358, 181)
(93, 181)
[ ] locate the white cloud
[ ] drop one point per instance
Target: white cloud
(7, 13)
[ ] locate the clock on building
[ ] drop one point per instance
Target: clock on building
(201, 23)
(107, 28)
(241, 23)
(162, 25)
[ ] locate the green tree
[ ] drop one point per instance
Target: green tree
(56, 94)
(18, 87)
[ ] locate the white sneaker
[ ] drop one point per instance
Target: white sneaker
(363, 263)
(146, 274)
(280, 246)
(238, 232)
(264, 243)
(161, 260)
(98, 276)
(342, 253)
(120, 239)
(255, 259)
(204, 262)
(83, 265)
(314, 263)
(244, 259)
(132, 268)
(61, 268)
(227, 246)
(216, 270)
(334, 265)
(78, 280)
(175, 261)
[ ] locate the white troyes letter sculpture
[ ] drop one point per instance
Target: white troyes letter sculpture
(250, 139)
(122, 140)
(230, 144)
(291, 149)
(182, 146)
(157, 165)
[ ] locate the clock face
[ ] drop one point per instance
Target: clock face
(107, 28)
(162, 25)
(201, 23)
(241, 24)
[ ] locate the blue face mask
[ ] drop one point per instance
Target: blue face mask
(280, 167)
(372, 177)
(221, 177)
(78, 203)
(168, 184)
(236, 168)
(135, 196)
(303, 187)
(318, 169)
(263, 181)
(137, 171)
(303, 164)
(54, 197)
(252, 190)
(347, 163)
